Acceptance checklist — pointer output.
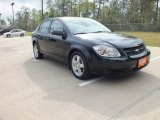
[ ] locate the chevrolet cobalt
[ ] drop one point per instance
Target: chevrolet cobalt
(88, 47)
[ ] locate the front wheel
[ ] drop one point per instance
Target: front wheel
(79, 66)
(36, 52)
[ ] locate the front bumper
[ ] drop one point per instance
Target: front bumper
(110, 64)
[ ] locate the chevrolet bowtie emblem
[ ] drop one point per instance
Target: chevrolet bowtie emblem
(136, 50)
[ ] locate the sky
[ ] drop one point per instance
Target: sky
(6, 9)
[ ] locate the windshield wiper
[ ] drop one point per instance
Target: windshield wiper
(80, 33)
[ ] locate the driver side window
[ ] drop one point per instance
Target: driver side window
(44, 27)
(56, 26)
(13, 31)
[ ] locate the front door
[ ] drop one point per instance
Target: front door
(57, 46)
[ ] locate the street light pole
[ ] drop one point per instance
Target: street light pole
(12, 4)
(42, 8)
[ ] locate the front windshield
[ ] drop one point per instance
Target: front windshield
(85, 25)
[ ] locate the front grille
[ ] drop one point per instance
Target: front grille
(134, 50)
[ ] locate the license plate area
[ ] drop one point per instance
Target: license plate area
(142, 62)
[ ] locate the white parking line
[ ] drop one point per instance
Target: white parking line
(89, 82)
(36, 60)
(94, 80)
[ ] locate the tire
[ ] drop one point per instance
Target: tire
(36, 51)
(79, 66)
(21, 35)
(8, 35)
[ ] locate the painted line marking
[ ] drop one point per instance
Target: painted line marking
(94, 80)
(89, 82)
(155, 58)
(36, 60)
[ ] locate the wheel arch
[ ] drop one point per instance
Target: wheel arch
(34, 41)
(80, 49)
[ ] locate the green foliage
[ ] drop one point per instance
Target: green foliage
(150, 38)
(105, 11)
(2, 23)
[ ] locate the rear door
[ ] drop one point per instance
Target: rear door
(18, 32)
(42, 35)
(14, 32)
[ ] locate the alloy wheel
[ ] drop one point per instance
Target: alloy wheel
(35, 49)
(77, 65)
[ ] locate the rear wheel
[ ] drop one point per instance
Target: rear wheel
(8, 35)
(79, 66)
(36, 52)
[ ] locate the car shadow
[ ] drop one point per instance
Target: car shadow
(108, 96)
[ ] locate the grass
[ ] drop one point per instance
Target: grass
(150, 38)
(29, 33)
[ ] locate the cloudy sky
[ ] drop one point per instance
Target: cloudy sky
(6, 9)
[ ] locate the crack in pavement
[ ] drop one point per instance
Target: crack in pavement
(147, 95)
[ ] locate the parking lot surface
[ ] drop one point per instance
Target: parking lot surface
(46, 90)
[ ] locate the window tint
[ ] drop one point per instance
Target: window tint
(56, 26)
(14, 31)
(18, 30)
(45, 27)
(5, 30)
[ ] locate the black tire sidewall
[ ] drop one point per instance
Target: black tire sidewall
(8, 35)
(85, 75)
(40, 55)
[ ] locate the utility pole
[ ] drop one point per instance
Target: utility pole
(12, 4)
(42, 8)
(0, 20)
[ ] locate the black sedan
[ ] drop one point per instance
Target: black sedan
(4, 31)
(88, 47)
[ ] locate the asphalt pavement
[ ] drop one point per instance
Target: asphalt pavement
(46, 90)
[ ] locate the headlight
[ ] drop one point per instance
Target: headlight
(106, 51)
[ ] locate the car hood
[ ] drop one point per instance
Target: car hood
(114, 39)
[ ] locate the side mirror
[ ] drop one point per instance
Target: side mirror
(60, 33)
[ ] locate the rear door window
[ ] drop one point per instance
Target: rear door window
(13, 31)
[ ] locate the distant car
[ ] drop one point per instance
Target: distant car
(87, 46)
(15, 32)
(4, 31)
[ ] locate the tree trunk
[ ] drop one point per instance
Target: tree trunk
(156, 16)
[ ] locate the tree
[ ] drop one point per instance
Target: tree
(105, 11)
(2, 23)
